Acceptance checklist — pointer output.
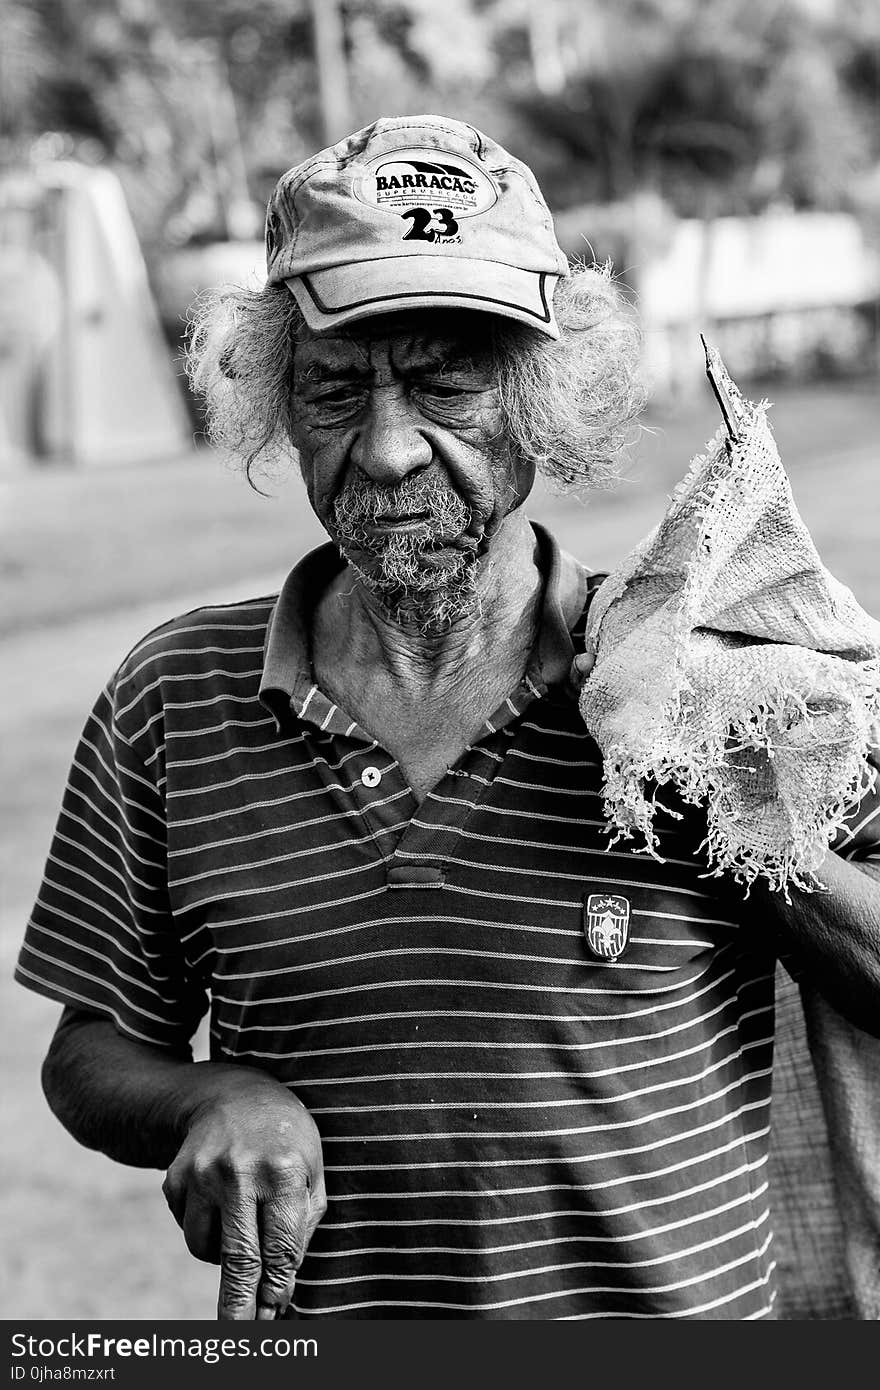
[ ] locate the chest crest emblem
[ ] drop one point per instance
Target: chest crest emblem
(606, 924)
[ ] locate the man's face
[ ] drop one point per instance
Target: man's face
(398, 425)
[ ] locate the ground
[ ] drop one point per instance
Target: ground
(91, 561)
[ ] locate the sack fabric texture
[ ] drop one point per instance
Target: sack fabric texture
(732, 665)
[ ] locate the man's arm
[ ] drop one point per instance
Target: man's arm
(835, 935)
(245, 1176)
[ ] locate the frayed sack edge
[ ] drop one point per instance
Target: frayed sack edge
(703, 775)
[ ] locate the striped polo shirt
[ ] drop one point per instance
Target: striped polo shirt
(513, 1126)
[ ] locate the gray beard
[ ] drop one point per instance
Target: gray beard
(425, 578)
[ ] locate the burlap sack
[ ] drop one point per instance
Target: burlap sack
(730, 663)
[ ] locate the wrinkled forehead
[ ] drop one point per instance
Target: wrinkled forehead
(430, 340)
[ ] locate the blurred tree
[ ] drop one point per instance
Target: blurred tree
(332, 68)
(720, 105)
(183, 98)
(417, 55)
(855, 42)
(715, 105)
(22, 70)
(44, 80)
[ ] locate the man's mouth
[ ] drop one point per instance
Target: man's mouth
(423, 527)
(399, 521)
(420, 517)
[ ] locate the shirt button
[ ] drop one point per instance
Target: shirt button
(371, 777)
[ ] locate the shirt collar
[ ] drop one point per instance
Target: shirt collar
(288, 681)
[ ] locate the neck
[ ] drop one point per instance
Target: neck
(352, 630)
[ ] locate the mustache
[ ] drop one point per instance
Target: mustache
(426, 497)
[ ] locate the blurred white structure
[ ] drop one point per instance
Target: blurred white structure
(85, 375)
(784, 270)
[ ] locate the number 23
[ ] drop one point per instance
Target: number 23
(428, 224)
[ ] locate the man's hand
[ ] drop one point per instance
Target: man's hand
(247, 1187)
(246, 1181)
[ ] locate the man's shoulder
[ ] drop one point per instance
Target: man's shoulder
(213, 642)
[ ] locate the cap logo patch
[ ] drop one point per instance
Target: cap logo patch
(431, 191)
(606, 924)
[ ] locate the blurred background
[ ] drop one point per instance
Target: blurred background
(725, 154)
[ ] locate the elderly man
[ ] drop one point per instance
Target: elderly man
(364, 817)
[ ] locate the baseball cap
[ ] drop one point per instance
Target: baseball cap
(414, 212)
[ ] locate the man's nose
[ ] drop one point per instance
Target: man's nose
(390, 443)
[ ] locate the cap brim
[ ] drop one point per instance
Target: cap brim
(330, 298)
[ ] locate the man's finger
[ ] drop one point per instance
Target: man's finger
(240, 1262)
(580, 669)
(202, 1229)
(584, 663)
(284, 1235)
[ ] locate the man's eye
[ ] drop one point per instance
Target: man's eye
(340, 395)
(440, 390)
(336, 405)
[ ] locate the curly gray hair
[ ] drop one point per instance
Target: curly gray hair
(569, 405)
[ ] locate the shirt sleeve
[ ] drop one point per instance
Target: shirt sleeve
(102, 937)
